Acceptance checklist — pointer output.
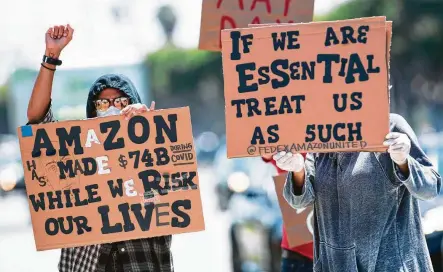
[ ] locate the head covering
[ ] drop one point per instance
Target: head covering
(115, 81)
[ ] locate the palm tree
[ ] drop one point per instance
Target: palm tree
(167, 19)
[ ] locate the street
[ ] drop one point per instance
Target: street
(201, 251)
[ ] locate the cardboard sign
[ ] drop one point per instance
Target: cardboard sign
(109, 179)
(388, 52)
(317, 87)
(226, 14)
(388, 43)
(388, 37)
(299, 224)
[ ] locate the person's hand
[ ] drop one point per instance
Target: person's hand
(289, 162)
(399, 147)
(57, 37)
(134, 109)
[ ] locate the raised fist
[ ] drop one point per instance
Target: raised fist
(57, 38)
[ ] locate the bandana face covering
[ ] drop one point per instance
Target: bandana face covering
(109, 112)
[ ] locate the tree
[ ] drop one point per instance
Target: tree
(167, 19)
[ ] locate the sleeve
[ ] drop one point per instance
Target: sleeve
(423, 181)
(48, 118)
(306, 196)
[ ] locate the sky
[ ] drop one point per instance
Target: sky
(98, 39)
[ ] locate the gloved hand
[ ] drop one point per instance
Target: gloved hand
(138, 108)
(289, 162)
(399, 147)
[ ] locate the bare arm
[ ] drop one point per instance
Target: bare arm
(41, 94)
(299, 191)
(56, 39)
(298, 179)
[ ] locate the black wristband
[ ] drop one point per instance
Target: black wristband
(52, 61)
(47, 67)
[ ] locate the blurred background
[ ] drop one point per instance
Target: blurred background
(154, 43)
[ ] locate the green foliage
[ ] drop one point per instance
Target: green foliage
(179, 70)
(362, 8)
(3, 93)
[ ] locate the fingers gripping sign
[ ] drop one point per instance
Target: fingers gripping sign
(152, 107)
(135, 109)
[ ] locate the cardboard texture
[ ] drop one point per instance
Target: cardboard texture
(225, 14)
(276, 111)
(150, 163)
(298, 223)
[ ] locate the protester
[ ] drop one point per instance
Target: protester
(367, 216)
(109, 95)
(295, 259)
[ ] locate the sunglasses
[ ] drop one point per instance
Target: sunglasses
(104, 103)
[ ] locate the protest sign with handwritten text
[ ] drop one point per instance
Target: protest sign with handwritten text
(317, 87)
(109, 179)
(225, 14)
